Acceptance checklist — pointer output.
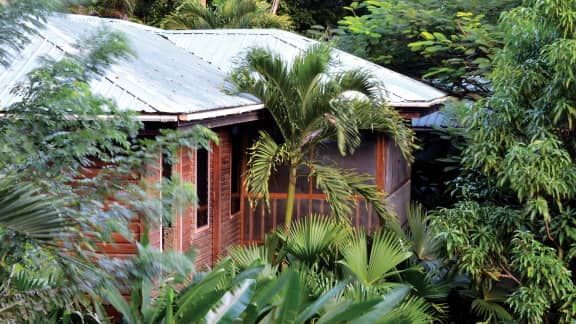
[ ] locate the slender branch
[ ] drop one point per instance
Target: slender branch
(549, 234)
(6, 286)
(18, 303)
(509, 275)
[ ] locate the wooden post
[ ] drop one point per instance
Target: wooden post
(215, 196)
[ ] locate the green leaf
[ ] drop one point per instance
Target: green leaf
(232, 304)
(292, 301)
(316, 306)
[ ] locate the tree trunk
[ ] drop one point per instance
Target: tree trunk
(275, 5)
(290, 197)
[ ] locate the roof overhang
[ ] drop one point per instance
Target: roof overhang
(419, 104)
(213, 118)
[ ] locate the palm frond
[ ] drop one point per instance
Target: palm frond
(424, 244)
(489, 306)
(310, 237)
(245, 256)
(378, 116)
(338, 192)
(490, 310)
(359, 81)
(264, 75)
(361, 184)
(412, 310)
(371, 267)
(191, 14)
(30, 214)
(308, 67)
(340, 184)
(423, 285)
(265, 156)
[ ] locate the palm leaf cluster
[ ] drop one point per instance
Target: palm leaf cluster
(38, 273)
(319, 270)
(342, 266)
(253, 296)
(54, 211)
(310, 107)
(192, 14)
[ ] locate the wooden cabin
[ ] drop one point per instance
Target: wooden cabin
(177, 80)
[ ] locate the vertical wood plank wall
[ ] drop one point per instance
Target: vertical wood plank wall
(120, 247)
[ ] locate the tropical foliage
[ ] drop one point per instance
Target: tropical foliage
(308, 13)
(310, 106)
(192, 14)
(330, 255)
(449, 43)
(504, 252)
(512, 232)
(55, 210)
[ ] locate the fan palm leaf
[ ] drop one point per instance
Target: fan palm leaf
(489, 305)
(248, 255)
(310, 237)
(424, 244)
(371, 264)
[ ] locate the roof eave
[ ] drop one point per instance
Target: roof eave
(420, 104)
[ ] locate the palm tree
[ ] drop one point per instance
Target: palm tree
(311, 106)
(192, 14)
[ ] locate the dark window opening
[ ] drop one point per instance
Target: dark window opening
(236, 170)
(202, 188)
(167, 199)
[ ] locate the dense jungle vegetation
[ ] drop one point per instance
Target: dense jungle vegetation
(501, 248)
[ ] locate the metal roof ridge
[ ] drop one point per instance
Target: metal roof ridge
(288, 37)
(110, 20)
(223, 31)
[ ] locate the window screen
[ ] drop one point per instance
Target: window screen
(202, 188)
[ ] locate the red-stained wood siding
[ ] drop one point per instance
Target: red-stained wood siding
(119, 247)
(229, 229)
(153, 176)
(223, 229)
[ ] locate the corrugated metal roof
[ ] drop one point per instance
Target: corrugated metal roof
(435, 119)
(184, 72)
(224, 47)
(162, 78)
